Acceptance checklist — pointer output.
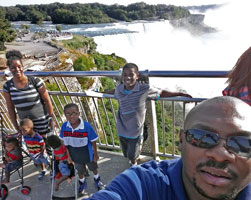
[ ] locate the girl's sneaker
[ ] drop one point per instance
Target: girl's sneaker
(41, 175)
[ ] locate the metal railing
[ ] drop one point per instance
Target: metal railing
(164, 117)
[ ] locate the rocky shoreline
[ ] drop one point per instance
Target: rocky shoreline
(36, 52)
(194, 24)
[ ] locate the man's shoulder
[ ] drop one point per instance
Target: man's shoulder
(167, 166)
(164, 169)
(162, 179)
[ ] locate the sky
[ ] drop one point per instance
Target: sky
(109, 2)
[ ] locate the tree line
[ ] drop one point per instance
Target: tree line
(91, 13)
(7, 33)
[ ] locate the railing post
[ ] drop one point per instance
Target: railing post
(153, 129)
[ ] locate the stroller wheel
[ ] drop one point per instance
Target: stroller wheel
(26, 190)
(4, 192)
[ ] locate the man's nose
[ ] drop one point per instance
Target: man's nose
(220, 153)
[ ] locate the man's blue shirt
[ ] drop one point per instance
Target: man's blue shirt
(150, 181)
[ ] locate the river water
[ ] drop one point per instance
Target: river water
(159, 46)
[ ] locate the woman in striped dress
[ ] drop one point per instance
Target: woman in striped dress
(27, 95)
(239, 78)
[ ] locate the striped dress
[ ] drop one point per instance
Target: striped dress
(243, 94)
(28, 103)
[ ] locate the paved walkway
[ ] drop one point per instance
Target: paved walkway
(110, 164)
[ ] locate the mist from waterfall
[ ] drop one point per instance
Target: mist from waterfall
(159, 46)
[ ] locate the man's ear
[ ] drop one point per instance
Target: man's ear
(138, 75)
(180, 135)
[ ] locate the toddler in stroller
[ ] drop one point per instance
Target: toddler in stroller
(13, 158)
(64, 169)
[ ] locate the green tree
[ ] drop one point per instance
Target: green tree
(25, 26)
(36, 17)
(2, 13)
(59, 28)
(7, 34)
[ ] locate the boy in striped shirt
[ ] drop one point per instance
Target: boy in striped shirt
(35, 145)
(132, 96)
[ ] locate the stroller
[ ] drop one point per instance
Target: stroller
(25, 159)
(55, 172)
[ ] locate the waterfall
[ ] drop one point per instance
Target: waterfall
(159, 46)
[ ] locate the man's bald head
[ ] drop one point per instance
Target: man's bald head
(223, 107)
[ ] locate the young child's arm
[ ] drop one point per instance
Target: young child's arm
(42, 148)
(165, 93)
(6, 158)
(95, 152)
(69, 157)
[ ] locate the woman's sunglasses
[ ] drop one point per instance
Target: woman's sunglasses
(239, 145)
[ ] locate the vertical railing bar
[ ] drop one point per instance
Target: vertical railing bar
(154, 130)
(163, 126)
(62, 78)
(184, 114)
(100, 120)
(114, 115)
(92, 118)
(5, 116)
(173, 128)
(53, 102)
(60, 89)
(83, 110)
(113, 111)
(108, 121)
(5, 123)
(59, 100)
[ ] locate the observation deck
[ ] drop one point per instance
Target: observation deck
(164, 119)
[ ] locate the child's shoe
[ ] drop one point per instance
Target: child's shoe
(82, 187)
(99, 184)
(41, 175)
(58, 175)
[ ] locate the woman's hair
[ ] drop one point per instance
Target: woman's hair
(54, 141)
(13, 55)
(240, 75)
(131, 65)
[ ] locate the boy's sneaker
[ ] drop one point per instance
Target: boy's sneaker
(99, 184)
(82, 187)
(41, 175)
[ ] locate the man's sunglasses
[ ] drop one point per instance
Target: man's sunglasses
(239, 145)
